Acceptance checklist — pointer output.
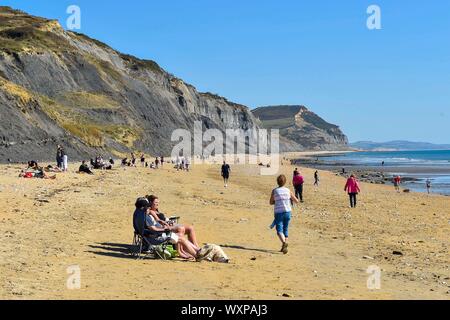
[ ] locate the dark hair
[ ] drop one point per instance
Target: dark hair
(281, 180)
(142, 203)
(151, 198)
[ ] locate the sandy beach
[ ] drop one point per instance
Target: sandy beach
(49, 225)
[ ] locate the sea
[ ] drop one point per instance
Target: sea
(422, 165)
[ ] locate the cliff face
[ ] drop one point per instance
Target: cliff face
(301, 129)
(59, 87)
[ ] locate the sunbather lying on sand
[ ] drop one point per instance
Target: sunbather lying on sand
(51, 168)
(35, 172)
(177, 228)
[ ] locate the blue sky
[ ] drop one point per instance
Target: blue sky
(378, 85)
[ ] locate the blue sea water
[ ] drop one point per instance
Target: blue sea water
(430, 164)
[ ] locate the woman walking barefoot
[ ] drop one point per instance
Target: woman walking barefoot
(352, 188)
(281, 198)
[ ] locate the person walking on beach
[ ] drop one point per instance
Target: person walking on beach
(316, 178)
(428, 184)
(65, 160)
(397, 182)
(188, 163)
(352, 188)
(183, 163)
(178, 162)
(59, 157)
(142, 160)
(133, 160)
(298, 182)
(226, 173)
(281, 198)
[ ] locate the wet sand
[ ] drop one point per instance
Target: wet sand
(47, 226)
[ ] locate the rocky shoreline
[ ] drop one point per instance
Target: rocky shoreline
(368, 175)
(373, 177)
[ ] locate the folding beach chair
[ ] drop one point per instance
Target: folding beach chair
(144, 249)
(142, 246)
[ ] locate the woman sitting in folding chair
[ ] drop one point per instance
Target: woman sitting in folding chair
(156, 234)
(177, 228)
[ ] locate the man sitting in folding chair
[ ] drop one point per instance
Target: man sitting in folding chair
(153, 234)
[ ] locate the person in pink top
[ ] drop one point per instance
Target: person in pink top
(352, 188)
(298, 182)
(397, 182)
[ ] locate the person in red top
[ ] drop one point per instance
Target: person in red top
(298, 182)
(352, 188)
(397, 182)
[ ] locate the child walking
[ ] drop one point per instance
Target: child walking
(281, 198)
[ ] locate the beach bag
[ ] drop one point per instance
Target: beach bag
(162, 253)
(172, 251)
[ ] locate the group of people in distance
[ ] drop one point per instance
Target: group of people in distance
(34, 170)
(298, 182)
(282, 198)
(96, 164)
(62, 159)
(182, 163)
(156, 164)
(100, 164)
(397, 181)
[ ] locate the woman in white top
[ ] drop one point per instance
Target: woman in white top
(281, 197)
(65, 162)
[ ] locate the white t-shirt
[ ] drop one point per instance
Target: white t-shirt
(282, 198)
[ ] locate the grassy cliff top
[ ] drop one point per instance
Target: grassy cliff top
(277, 112)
